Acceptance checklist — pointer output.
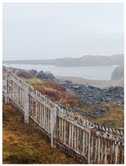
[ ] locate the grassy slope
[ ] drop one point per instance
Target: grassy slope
(113, 117)
(24, 144)
(55, 91)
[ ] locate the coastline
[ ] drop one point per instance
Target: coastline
(96, 83)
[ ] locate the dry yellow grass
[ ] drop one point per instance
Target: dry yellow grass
(55, 91)
(113, 117)
(24, 144)
(116, 118)
(35, 82)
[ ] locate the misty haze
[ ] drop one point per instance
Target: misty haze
(47, 31)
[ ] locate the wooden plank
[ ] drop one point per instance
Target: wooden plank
(58, 128)
(36, 109)
(38, 117)
(102, 150)
(47, 120)
(99, 149)
(89, 148)
(84, 136)
(75, 137)
(92, 146)
(44, 120)
(96, 147)
(86, 143)
(53, 124)
(26, 106)
(116, 153)
(42, 115)
(32, 106)
(64, 131)
(70, 134)
(105, 160)
(67, 132)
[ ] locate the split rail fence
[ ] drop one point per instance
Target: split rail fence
(93, 143)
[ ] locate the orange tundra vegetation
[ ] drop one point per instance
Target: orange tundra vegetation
(25, 144)
(69, 101)
(56, 92)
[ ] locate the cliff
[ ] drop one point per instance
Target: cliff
(118, 73)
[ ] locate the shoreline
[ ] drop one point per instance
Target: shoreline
(96, 83)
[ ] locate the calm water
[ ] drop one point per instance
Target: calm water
(91, 73)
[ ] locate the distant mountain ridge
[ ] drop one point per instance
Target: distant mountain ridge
(87, 60)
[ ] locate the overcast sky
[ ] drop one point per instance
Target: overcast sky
(45, 31)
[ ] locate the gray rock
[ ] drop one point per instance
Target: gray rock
(45, 75)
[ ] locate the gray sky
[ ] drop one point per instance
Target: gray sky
(45, 31)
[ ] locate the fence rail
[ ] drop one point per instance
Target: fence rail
(93, 142)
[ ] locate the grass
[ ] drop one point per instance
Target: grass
(113, 117)
(55, 91)
(46, 83)
(24, 144)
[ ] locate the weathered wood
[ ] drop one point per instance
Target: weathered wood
(99, 149)
(84, 143)
(102, 150)
(65, 131)
(116, 153)
(101, 145)
(95, 149)
(53, 125)
(72, 137)
(75, 138)
(89, 148)
(92, 146)
(62, 132)
(105, 160)
(26, 105)
(70, 134)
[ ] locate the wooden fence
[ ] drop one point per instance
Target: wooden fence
(92, 142)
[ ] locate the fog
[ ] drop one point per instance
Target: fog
(46, 31)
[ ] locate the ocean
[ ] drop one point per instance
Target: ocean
(90, 72)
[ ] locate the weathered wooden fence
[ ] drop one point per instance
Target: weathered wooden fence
(93, 142)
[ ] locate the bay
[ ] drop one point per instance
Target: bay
(90, 72)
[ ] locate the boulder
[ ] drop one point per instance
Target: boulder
(45, 75)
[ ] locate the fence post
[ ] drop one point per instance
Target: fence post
(6, 89)
(26, 104)
(53, 126)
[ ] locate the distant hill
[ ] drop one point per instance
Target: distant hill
(87, 60)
